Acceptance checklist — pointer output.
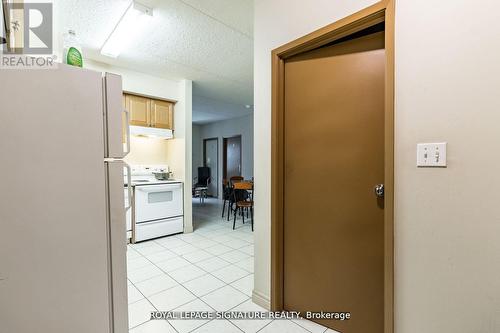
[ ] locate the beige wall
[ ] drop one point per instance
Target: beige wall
(447, 221)
(147, 151)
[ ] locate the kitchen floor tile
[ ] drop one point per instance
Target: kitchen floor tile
(245, 285)
(197, 256)
(247, 264)
(218, 326)
(142, 245)
(132, 254)
(230, 273)
(285, 326)
(205, 243)
(154, 326)
(173, 264)
(161, 256)
(187, 273)
(191, 238)
(234, 256)
(171, 298)
(170, 242)
(250, 325)
(247, 249)
(187, 325)
(136, 263)
(139, 312)
(310, 326)
(203, 285)
(224, 238)
(218, 249)
(236, 243)
(144, 273)
(134, 295)
(153, 248)
(216, 233)
(212, 264)
(244, 235)
(224, 298)
(156, 284)
(184, 249)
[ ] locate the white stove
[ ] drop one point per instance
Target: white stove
(157, 208)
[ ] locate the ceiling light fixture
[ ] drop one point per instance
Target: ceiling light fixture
(127, 30)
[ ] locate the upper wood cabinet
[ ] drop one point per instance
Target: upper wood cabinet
(162, 114)
(148, 112)
(140, 110)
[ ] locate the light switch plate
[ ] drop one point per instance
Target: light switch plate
(431, 154)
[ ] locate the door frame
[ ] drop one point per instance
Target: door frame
(383, 11)
(205, 159)
(224, 154)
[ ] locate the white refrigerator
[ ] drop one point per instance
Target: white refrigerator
(62, 209)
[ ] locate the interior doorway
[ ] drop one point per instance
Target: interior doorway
(333, 130)
(211, 160)
(232, 157)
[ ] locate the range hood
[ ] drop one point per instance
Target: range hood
(151, 132)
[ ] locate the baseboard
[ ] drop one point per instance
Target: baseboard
(261, 299)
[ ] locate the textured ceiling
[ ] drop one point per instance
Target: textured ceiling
(207, 41)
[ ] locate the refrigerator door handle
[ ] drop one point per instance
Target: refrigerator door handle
(129, 185)
(127, 118)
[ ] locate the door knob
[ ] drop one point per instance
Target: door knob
(379, 190)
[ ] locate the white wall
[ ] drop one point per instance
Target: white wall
(197, 149)
(224, 129)
(447, 221)
(177, 152)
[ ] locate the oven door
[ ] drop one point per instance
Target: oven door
(155, 202)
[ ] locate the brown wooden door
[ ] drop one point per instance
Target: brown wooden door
(232, 157)
(140, 110)
(162, 114)
(334, 156)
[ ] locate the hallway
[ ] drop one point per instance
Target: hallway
(208, 270)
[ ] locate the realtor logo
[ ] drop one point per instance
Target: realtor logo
(27, 28)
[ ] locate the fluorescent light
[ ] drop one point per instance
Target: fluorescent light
(127, 30)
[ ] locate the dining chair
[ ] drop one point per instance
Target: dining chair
(226, 196)
(243, 200)
(232, 181)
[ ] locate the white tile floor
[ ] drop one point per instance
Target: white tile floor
(210, 269)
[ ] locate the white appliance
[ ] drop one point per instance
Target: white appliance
(158, 205)
(62, 216)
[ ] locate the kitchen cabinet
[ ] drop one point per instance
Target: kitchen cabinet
(162, 115)
(149, 112)
(140, 110)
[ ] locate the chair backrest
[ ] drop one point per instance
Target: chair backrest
(236, 179)
(203, 175)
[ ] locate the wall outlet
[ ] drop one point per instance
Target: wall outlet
(431, 154)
